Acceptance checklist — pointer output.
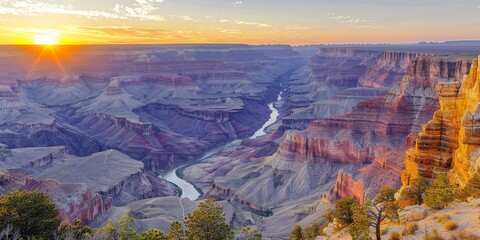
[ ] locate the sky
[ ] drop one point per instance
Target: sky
(295, 22)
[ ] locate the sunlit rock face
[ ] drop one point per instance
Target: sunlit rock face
(345, 186)
(351, 154)
(449, 142)
(375, 126)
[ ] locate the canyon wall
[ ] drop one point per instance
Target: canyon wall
(345, 187)
(449, 142)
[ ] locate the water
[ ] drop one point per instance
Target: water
(188, 190)
(273, 118)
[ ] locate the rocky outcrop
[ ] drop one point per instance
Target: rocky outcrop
(31, 159)
(73, 200)
(345, 186)
(111, 174)
(388, 70)
(347, 53)
(17, 112)
(449, 142)
(158, 213)
(376, 126)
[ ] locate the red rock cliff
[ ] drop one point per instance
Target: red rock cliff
(450, 142)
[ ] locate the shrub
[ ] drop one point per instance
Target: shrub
(153, 234)
(384, 231)
(296, 234)
(450, 225)
(442, 218)
(440, 193)
(463, 235)
(328, 215)
(410, 229)
(433, 236)
(394, 236)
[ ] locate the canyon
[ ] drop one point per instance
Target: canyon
(275, 133)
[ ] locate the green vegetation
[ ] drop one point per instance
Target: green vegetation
(410, 229)
(381, 208)
(207, 222)
(32, 213)
(247, 234)
(176, 232)
(472, 189)
(433, 236)
(153, 234)
(450, 225)
(296, 234)
(314, 230)
(309, 233)
(463, 235)
(414, 193)
(359, 229)
(442, 218)
(343, 211)
(394, 236)
(74, 230)
(440, 193)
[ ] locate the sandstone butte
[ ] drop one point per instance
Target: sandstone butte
(450, 142)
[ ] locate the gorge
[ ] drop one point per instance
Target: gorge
(277, 134)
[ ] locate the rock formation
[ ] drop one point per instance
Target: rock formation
(345, 187)
(449, 142)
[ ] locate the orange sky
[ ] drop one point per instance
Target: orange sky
(241, 21)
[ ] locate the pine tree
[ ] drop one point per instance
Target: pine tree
(381, 208)
(343, 211)
(296, 234)
(176, 232)
(74, 230)
(418, 187)
(125, 229)
(312, 231)
(207, 222)
(440, 193)
(153, 234)
(32, 213)
(359, 229)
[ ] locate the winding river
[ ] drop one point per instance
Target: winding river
(188, 190)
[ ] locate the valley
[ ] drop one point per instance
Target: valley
(277, 134)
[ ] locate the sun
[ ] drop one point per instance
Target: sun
(46, 38)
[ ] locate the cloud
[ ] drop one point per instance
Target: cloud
(296, 27)
(249, 23)
(353, 22)
(141, 9)
(183, 17)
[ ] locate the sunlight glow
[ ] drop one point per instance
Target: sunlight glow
(46, 38)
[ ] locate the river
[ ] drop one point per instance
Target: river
(188, 190)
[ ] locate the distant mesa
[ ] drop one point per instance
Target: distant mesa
(145, 58)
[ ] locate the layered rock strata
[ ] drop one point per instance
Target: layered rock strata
(449, 142)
